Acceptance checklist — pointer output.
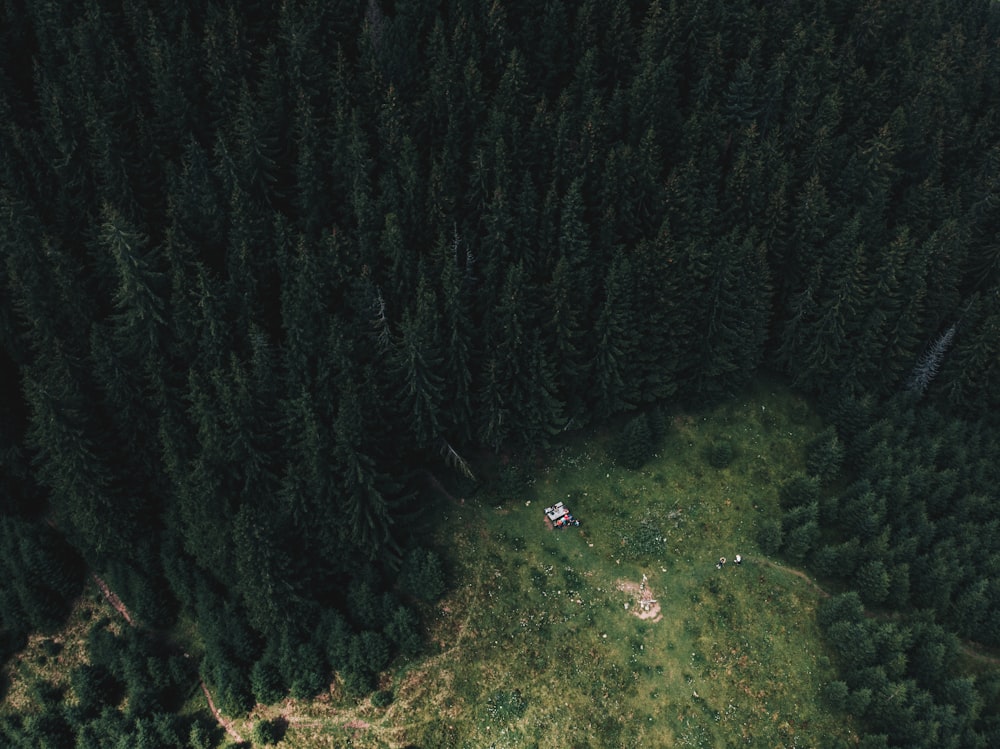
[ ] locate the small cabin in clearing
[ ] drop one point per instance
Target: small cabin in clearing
(559, 516)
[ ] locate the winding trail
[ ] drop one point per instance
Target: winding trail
(971, 649)
(797, 573)
(218, 716)
(120, 607)
(439, 487)
(114, 600)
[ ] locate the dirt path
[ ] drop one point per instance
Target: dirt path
(218, 716)
(970, 649)
(114, 600)
(439, 487)
(120, 607)
(797, 573)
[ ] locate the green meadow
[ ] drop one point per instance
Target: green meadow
(539, 642)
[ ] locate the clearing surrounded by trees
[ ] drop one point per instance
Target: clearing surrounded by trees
(628, 619)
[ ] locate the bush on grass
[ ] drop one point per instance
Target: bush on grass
(266, 681)
(721, 453)
(873, 582)
(838, 560)
(797, 491)
(403, 631)
(769, 535)
(636, 444)
(505, 706)
(835, 694)
(422, 574)
(645, 541)
(268, 732)
(94, 687)
(825, 456)
(801, 540)
(200, 736)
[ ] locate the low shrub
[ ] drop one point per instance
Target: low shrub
(505, 706)
(269, 732)
(721, 453)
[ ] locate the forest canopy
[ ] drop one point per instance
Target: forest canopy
(269, 268)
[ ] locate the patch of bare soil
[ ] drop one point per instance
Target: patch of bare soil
(114, 600)
(641, 601)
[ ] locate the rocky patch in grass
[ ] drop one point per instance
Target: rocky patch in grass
(641, 601)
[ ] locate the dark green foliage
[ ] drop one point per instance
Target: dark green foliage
(199, 737)
(268, 732)
(914, 527)
(840, 560)
(825, 456)
(41, 574)
(43, 692)
(94, 687)
(887, 678)
(154, 679)
(366, 605)
(721, 453)
(228, 682)
(506, 706)
(769, 535)
(873, 582)
(874, 741)
(422, 575)
(846, 607)
(48, 729)
(305, 670)
(357, 683)
(260, 264)
(800, 531)
(382, 698)
(133, 669)
(636, 443)
(835, 693)
(266, 680)
(368, 654)
(334, 635)
(798, 491)
(403, 632)
(858, 701)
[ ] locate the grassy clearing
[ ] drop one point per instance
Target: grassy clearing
(47, 660)
(538, 645)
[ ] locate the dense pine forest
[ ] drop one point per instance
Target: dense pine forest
(271, 272)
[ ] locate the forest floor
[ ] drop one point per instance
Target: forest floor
(544, 640)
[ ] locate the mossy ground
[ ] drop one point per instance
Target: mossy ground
(534, 645)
